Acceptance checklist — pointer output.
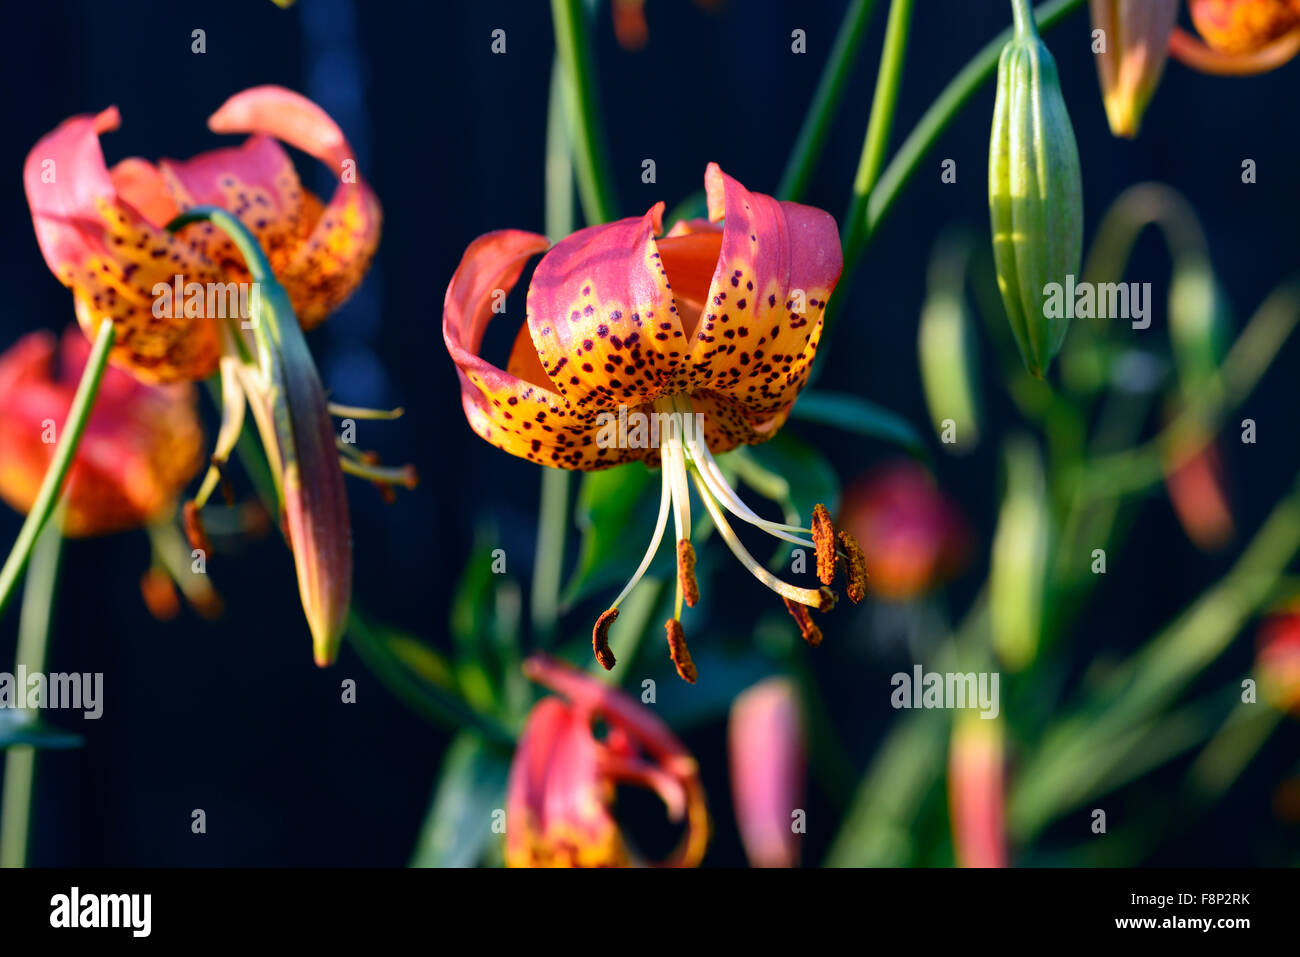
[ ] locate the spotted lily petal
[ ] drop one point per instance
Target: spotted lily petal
(111, 256)
(519, 410)
(341, 240)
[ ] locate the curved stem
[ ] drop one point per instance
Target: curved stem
(826, 100)
(46, 498)
(33, 641)
(590, 157)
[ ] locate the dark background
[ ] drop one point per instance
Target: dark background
(233, 718)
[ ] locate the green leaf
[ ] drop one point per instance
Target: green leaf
(471, 787)
(18, 728)
(616, 512)
(854, 414)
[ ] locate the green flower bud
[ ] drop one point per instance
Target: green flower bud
(1018, 566)
(1035, 191)
(947, 348)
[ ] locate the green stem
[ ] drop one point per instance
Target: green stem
(548, 563)
(1022, 13)
(883, 106)
(826, 100)
(33, 641)
(591, 159)
(46, 498)
(936, 119)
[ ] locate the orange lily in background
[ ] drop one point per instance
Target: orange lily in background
(768, 757)
(913, 536)
(188, 302)
(563, 778)
(1241, 37)
(666, 351)
(141, 447)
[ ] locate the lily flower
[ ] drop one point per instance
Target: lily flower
(213, 264)
(141, 446)
(1241, 37)
(914, 536)
(664, 350)
(563, 777)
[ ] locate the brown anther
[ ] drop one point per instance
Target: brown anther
(159, 594)
(856, 573)
(686, 572)
(828, 599)
(681, 655)
(194, 530)
(823, 535)
(600, 638)
(807, 630)
(385, 492)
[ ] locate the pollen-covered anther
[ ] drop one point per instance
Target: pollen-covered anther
(823, 535)
(686, 572)
(856, 572)
(807, 630)
(194, 530)
(827, 598)
(600, 639)
(681, 655)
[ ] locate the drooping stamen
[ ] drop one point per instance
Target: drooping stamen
(232, 424)
(686, 573)
(856, 563)
(805, 596)
(823, 533)
(600, 639)
(680, 654)
(807, 630)
(405, 476)
(194, 530)
(600, 633)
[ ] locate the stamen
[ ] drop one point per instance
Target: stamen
(600, 639)
(232, 424)
(686, 572)
(807, 630)
(406, 476)
(806, 596)
(823, 533)
(680, 654)
(857, 567)
(194, 530)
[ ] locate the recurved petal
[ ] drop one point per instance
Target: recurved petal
(111, 256)
(603, 319)
(519, 410)
(331, 260)
(778, 264)
(556, 799)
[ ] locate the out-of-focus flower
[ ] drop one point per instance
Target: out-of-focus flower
(1277, 660)
(1194, 479)
(913, 537)
(662, 350)
(768, 757)
(1136, 34)
(630, 25)
(975, 792)
(1035, 193)
(141, 446)
(103, 231)
(563, 777)
(193, 298)
(1241, 37)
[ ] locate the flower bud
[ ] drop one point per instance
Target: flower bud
(1135, 34)
(1018, 568)
(1035, 192)
(976, 799)
(948, 351)
(767, 751)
